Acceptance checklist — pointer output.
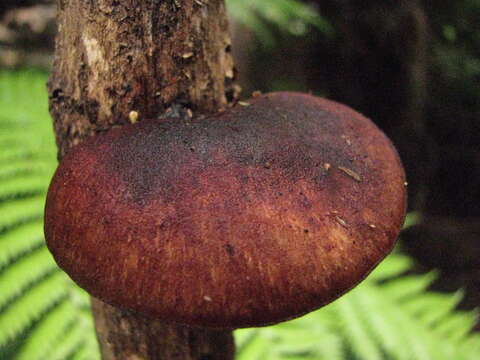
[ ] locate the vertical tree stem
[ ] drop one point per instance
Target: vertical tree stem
(119, 61)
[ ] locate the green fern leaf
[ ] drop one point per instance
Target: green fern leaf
(20, 240)
(256, 348)
(408, 286)
(24, 272)
(383, 318)
(413, 336)
(14, 154)
(22, 313)
(84, 353)
(457, 326)
(383, 331)
(20, 186)
(43, 338)
(24, 167)
(432, 307)
(70, 343)
(19, 211)
(243, 337)
(355, 332)
(80, 339)
(307, 342)
(395, 266)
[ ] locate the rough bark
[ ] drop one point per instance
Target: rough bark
(115, 57)
(119, 61)
(125, 335)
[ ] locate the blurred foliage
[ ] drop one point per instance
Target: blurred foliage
(389, 316)
(294, 17)
(43, 315)
(457, 44)
(453, 106)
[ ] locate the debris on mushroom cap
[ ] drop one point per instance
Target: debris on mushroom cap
(187, 223)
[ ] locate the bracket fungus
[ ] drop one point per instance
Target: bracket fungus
(245, 218)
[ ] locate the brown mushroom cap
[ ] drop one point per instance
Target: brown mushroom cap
(250, 217)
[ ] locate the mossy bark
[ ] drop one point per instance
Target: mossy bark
(119, 61)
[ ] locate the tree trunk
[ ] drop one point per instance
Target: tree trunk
(119, 61)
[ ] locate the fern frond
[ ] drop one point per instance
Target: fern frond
(82, 354)
(42, 313)
(396, 266)
(456, 326)
(24, 167)
(255, 348)
(387, 317)
(24, 272)
(22, 313)
(413, 336)
(90, 350)
(383, 331)
(20, 186)
(80, 338)
(10, 138)
(432, 307)
(470, 348)
(20, 240)
(70, 343)
(19, 211)
(408, 286)
(309, 342)
(43, 337)
(16, 153)
(360, 343)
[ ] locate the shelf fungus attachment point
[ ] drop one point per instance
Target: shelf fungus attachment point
(203, 237)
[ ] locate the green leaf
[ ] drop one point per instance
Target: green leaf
(71, 342)
(408, 286)
(256, 348)
(355, 332)
(44, 337)
(24, 167)
(21, 186)
(21, 314)
(19, 211)
(381, 329)
(457, 326)
(395, 266)
(20, 240)
(432, 307)
(24, 272)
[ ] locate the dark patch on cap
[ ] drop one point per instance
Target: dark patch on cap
(288, 132)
